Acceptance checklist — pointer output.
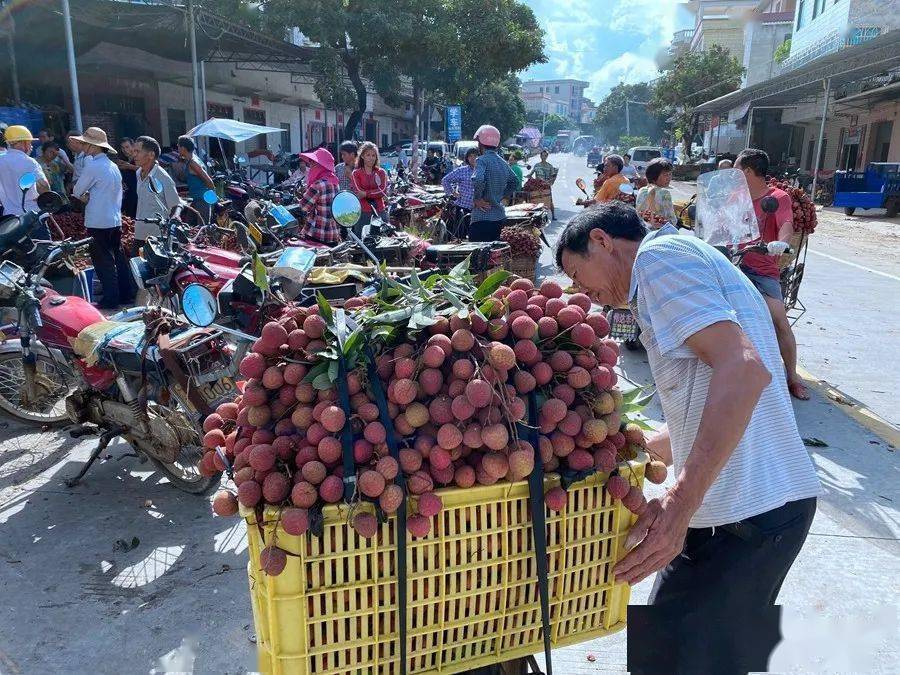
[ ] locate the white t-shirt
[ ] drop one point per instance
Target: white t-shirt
(681, 285)
(13, 165)
(148, 204)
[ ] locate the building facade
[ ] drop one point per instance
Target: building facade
(566, 97)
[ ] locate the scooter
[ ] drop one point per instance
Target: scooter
(143, 374)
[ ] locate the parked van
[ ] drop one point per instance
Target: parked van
(460, 148)
(641, 156)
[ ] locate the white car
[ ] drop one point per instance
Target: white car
(642, 155)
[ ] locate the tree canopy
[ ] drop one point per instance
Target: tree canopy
(390, 45)
(496, 103)
(611, 118)
(691, 79)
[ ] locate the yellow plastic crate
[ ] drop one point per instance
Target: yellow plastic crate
(472, 584)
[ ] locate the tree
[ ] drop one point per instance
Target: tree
(392, 46)
(496, 103)
(783, 51)
(551, 123)
(611, 117)
(691, 79)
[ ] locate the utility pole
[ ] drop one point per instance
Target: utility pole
(628, 116)
(14, 71)
(70, 56)
(195, 71)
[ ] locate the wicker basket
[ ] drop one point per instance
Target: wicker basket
(523, 266)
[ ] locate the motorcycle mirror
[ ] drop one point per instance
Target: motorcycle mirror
(181, 235)
(346, 209)
(769, 204)
(50, 202)
(579, 182)
(27, 181)
(210, 197)
(198, 305)
(242, 159)
(692, 212)
(155, 185)
(626, 189)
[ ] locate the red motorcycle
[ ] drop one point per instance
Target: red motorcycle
(143, 374)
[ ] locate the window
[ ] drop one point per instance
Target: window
(818, 7)
(541, 90)
(556, 89)
(177, 127)
(285, 140)
(801, 11)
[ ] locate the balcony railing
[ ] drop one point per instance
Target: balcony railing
(683, 36)
(832, 42)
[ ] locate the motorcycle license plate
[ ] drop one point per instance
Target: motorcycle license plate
(218, 391)
(255, 233)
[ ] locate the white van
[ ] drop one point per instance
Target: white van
(642, 155)
(460, 148)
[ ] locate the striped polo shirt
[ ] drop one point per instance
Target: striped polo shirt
(680, 285)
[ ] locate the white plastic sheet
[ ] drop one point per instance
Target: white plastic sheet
(725, 215)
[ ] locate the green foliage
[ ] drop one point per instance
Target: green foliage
(394, 43)
(610, 117)
(633, 141)
(783, 51)
(496, 103)
(691, 79)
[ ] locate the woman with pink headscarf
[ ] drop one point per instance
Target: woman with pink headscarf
(321, 189)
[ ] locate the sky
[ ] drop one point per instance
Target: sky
(605, 42)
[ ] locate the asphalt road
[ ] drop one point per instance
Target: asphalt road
(80, 594)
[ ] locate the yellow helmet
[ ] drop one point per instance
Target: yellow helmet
(16, 133)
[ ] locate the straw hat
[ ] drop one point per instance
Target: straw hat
(95, 136)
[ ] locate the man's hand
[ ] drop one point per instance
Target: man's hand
(659, 533)
(482, 204)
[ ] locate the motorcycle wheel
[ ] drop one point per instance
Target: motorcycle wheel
(52, 383)
(183, 473)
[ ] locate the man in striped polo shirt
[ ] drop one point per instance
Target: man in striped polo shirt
(724, 536)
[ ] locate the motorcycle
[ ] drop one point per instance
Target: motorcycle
(142, 374)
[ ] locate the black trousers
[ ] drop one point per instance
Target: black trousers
(111, 266)
(486, 230)
(716, 599)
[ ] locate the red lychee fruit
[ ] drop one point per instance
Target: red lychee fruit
(568, 317)
(332, 489)
(656, 472)
(391, 498)
(225, 503)
(304, 494)
(556, 499)
(462, 340)
(365, 525)
(617, 487)
(388, 467)
(430, 504)
(551, 289)
(295, 521)
(272, 560)
(249, 493)
(418, 526)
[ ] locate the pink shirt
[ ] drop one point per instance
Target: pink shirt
(769, 225)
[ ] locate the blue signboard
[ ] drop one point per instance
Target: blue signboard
(454, 123)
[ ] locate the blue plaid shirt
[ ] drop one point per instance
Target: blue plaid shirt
(460, 179)
(493, 180)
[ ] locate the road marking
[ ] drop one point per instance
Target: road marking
(856, 265)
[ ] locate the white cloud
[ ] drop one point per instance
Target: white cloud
(653, 18)
(629, 68)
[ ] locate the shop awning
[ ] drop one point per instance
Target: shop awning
(842, 67)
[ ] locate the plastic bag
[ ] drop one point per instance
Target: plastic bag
(725, 214)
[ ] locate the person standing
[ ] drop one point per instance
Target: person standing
(612, 179)
(100, 187)
(763, 270)
(370, 183)
(348, 153)
(725, 535)
(514, 158)
(54, 171)
(124, 159)
(150, 204)
(15, 163)
(656, 196)
(79, 157)
(459, 182)
(196, 176)
(321, 189)
(543, 170)
(492, 182)
(628, 171)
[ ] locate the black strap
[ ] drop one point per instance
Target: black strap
(539, 523)
(381, 402)
(346, 433)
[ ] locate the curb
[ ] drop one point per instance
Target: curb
(853, 408)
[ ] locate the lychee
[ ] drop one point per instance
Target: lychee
(551, 289)
(634, 500)
(225, 503)
(556, 499)
(388, 467)
(604, 459)
(464, 476)
(417, 415)
(333, 418)
(568, 317)
(332, 489)
(580, 460)
(314, 472)
(418, 525)
(497, 329)
(404, 391)
(365, 524)
(295, 521)
(374, 433)
(617, 487)
(449, 436)
(560, 361)
(521, 464)
(314, 326)
(479, 393)
(304, 495)
(249, 493)
(462, 408)
(420, 482)
(272, 560)
(501, 356)
(656, 472)
(443, 342)
(391, 498)
(542, 372)
(462, 340)
(599, 323)
(262, 457)
(253, 366)
(441, 410)
(524, 381)
(524, 327)
(554, 410)
(431, 380)
(433, 356)
(371, 483)
(463, 369)
(430, 504)
(578, 378)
